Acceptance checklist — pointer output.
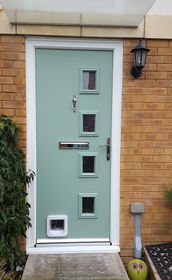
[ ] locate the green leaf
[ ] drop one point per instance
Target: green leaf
(1, 125)
(3, 216)
(11, 261)
(13, 242)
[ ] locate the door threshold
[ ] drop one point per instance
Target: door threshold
(73, 249)
(74, 241)
(72, 244)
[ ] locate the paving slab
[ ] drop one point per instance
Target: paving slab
(82, 266)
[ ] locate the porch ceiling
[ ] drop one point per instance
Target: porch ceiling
(123, 13)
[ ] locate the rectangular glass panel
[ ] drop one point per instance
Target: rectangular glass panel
(106, 13)
(89, 80)
(89, 123)
(88, 205)
(138, 58)
(88, 164)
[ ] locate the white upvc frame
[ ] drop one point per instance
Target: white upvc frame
(116, 47)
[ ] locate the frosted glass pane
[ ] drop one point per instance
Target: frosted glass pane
(88, 205)
(88, 164)
(113, 6)
(89, 80)
(89, 123)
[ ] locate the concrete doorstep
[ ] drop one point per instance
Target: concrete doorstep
(85, 266)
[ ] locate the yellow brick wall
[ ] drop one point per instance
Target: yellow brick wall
(12, 81)
(146, 145)
(146, 140)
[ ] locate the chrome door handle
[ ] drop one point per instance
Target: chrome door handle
(108, 148)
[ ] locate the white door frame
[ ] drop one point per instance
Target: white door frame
(60, 43)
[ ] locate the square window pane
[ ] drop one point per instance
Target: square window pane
(88, 164)
(89, 80)
(89, 123)
(88, 205)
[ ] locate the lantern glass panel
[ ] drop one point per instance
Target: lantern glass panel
(134, 58)
(138, 56)
(143, 59)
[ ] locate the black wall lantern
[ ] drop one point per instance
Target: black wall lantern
(139, 55)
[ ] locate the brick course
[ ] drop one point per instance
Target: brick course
(146, 139)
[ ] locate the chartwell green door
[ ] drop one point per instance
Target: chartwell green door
(73, 121)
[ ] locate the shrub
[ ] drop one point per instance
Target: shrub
(14, 208)
(3, 274)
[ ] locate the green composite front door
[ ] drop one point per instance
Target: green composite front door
(73, 105)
